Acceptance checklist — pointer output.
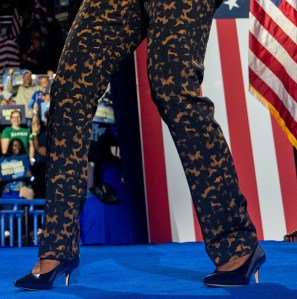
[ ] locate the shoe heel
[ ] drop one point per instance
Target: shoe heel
(257, 277)
(240, 276)
(45, 281)
(67, 279)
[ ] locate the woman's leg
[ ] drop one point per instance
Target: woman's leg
(102, 35)
(178, 36)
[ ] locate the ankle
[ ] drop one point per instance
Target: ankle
(234, 264)
(36, 269)
(45, 266)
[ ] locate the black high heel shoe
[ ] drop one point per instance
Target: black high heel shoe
(45, 281)
(240, 276)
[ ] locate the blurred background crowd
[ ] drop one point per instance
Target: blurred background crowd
(32, 35)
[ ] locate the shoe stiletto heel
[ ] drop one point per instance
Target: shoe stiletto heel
(67, 279)
(257, 276)
(240, 276)
(46, 281)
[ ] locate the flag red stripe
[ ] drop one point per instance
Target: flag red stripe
(287, 175)
(274, 65)
(153, 156)
(273, 28)
(237, 117)
(289, 12)
(274, 100)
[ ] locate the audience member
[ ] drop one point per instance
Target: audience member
(24, 92)
(46, 97)
(38, 96)
(104, 157)
(36, 99)
(44, 84)
(51, 77)
(15, 130)
(3, 101)
(11, 101)
(17, 187)
(39, 141)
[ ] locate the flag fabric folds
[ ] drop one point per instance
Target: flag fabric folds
(9, 54)
(15, 24)
(273, 60)
(9, 50)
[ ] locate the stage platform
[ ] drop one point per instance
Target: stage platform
(172, 270)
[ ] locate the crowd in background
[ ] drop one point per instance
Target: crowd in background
(43, 26)
(43, 30)
(23, 121)
(26, 133)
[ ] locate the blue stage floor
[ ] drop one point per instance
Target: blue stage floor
(170, 270)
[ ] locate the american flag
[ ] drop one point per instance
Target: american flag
(273, 60)
(263, 155)
(9, 50)
(15, 24)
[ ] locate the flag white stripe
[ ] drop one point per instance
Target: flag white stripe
(265, 162)
(266, 168)
(270, 199)
(9, 56)
(274, 83)
(180, 202)
(274, 47)
(293, 3)
(4, 49)
(276, 15)
(179, 197)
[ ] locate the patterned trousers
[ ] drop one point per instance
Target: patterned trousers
(102, 35)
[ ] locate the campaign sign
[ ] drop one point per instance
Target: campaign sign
(104, 113)
(15, 167)
(17, 78)
(44, 108)
(5, 112)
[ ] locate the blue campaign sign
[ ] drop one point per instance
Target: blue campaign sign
(15, 167)
(5, 112)
(104, 113)
(44, 108)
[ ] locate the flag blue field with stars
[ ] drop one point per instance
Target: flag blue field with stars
(233, 9)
